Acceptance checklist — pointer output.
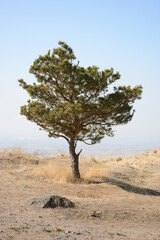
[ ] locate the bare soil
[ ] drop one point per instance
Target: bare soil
(105, 207)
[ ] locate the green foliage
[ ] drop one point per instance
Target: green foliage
(73, 102)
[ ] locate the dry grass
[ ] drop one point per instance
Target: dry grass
(17, 151)
(139, 170)
(93, 169)
(55, 173)
(56, 167)
(18, 159)
(88, 169)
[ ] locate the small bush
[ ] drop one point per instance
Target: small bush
(119, 159)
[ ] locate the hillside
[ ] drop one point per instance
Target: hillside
(118, 197)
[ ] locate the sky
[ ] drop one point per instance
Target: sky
(123, 34)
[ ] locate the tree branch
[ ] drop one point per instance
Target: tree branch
(65, 98)
(53, 134)
(79, 153)
(82, 140)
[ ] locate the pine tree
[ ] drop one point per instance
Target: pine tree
(74, 102)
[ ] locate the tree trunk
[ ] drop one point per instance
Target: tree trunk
(75, 159)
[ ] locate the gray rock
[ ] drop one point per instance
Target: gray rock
(51, 202)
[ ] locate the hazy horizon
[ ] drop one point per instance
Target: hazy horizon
(101, 150)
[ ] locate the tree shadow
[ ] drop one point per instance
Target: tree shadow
(128, 187)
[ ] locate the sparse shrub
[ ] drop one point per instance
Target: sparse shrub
(94, 214)
(59, 230)
(119, 159)
(47, 230)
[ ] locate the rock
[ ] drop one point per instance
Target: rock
(57, 201)
(51, 202)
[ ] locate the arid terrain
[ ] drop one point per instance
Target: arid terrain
(118, 197)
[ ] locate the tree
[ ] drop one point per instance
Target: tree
(74, 102)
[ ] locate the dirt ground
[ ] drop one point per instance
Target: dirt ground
(105, 208)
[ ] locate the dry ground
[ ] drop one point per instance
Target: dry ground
(103, 209)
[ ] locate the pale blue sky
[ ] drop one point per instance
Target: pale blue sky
(123, 34)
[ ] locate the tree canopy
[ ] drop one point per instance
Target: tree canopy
(74, 102)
